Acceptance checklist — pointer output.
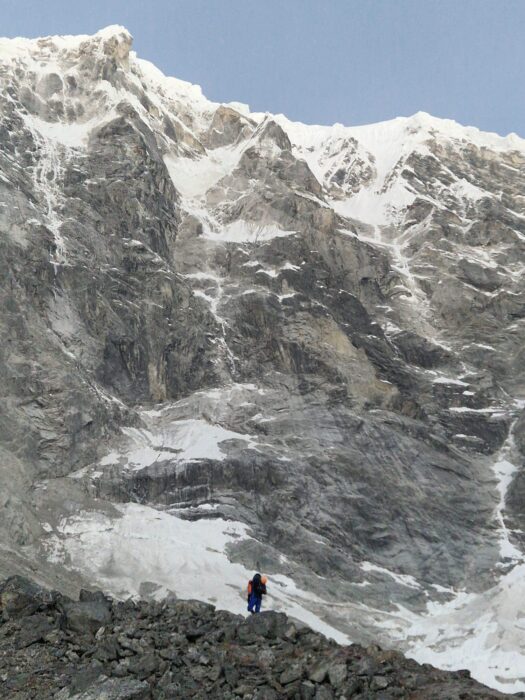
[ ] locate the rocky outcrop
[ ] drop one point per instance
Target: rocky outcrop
(187, 649)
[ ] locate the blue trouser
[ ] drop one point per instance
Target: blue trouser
(254, 601)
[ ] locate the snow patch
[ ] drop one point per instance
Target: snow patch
(241, 231)
(20, 47)
(178, 441)
(189, 558)
(447, 380)
(481, 632)
(466, 190)
(193, 177)
(74, 135)
(403, 579)
(376, 208)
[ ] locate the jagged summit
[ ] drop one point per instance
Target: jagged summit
(118, 40)
(236, 342)
(17, 45)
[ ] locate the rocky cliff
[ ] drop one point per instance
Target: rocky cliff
(232, 342)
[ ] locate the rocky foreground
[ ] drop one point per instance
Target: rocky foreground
(54, 647)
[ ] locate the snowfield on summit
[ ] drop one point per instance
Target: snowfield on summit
(237, 343)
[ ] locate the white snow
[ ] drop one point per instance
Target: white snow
(481, 632)
(200, 276)
(447, 380)
(481, 345)
(384, 147)
(173, 88)
(71, 135)
(47, 174)
(20, 47)
(174, 93)
(374, 207)
(240, 231)
(382, 138)
(465, 189)
(178, 441)
(466, 409)
(188, 558)
(269, 272)
(403, 579)
(193, 177)
(186, 430)
(143, 544)
(505, 470)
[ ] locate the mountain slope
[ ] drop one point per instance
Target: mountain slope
(297, 345)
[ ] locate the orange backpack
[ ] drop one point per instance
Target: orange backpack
(249, 587)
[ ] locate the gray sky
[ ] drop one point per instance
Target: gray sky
(320, 61)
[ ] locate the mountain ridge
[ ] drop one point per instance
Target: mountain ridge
(123, 37)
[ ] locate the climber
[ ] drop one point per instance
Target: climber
(256, 590)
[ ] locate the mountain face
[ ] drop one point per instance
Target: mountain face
(233, 342)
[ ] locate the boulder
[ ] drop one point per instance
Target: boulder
(319, 671)
(268, 624)
(85, 617)
(143, 666)
(34, 629)
(324, 692)
(480, 276)
(337, 673)
(20, 597)
(107, 650)
(265, 692)
(293, 673)
(110, 689)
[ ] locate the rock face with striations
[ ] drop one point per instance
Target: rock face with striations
(232, 342)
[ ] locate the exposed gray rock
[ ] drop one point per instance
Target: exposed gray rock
(111, 689)
(291, 674)
(165, 260)
(34, 629)
(337, 674)
(20, 597)
(79, 667)
(86, 617)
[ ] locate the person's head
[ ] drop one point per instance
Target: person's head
(264, 579)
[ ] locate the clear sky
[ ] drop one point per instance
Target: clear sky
(320, 61)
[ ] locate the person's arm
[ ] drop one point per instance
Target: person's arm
(263, 589)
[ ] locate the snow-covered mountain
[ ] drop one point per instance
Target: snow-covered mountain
(232, 342)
